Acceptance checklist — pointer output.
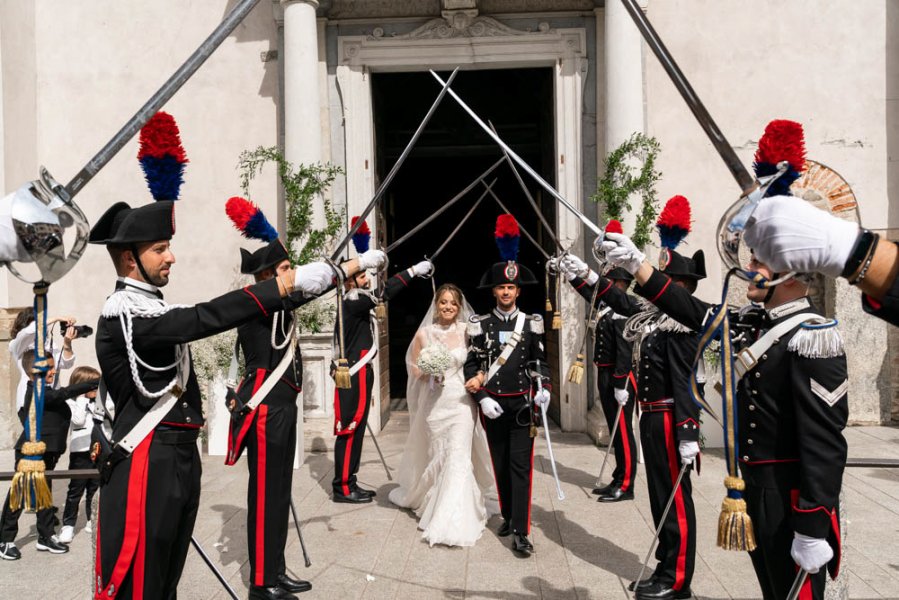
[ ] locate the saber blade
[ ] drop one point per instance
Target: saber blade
(605, 459)
(655, 537)
(378, 448)
(801, 576)
(549, 449)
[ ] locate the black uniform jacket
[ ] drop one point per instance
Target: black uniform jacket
(57, 414)
(486, 337)
(154, 342)
(792, 406)
(357, 312)
(610, 349)
(260, 358)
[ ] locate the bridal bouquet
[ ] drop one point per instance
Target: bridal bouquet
(434, 360)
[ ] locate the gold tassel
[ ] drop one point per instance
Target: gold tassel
(557, 320)
(549, 305)
(29, 488)
(342, 374)
(576, 371)
(380, 311)
(533, 430)
(734, 524)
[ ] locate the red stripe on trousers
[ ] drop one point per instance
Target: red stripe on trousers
(679, 572)
(135, 524)
(360, 410)
(260, 494)
(492, 462)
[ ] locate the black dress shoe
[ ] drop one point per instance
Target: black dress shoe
(602, 491)
(616, 495)
(353, 497)
(261, 592)
(521, 544)
(642, 584)
(293, 585)
(504, 530)
(662, 591)
(365, 492)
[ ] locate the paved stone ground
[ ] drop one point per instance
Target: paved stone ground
(583, 549)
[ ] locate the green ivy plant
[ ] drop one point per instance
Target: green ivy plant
(630, 170)
(303, 186)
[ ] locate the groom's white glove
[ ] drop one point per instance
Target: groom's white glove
(372, 259)
(490, 408)
(313, 279)
(688, 452)
(788, 234)
(541, 398)
(621, 396)
(422, 269)
(621, 252)
(810, 553)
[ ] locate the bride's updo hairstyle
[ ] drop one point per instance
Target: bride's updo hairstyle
(457, 296)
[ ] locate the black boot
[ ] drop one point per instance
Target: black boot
(616, 495)
(261, 592)
(602, 491)
(662, 591)
(521, 544)
(353, 497)
(293, 585)
(505, 529)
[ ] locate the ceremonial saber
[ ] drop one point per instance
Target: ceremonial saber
(524, 165)
(801, 576)
(739, 172)
(442, 209)
(212, 567)
(549, 445)
(296, 522)
(378, 448)
(655, 537)
(521, 229)
(462, 222)
(396, 167)
(157, 100)
(605, 459)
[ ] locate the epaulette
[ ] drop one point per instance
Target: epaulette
(536, 322)
(817, 338)
(474, 325)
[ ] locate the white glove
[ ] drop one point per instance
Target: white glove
(688, 452)
(422, 269)
(313, 279)
(490, 408)
(810, 553)
(574, 267)
(789, 234)
(541, 398)
(372, 259)
(621, 397)
(621, 252)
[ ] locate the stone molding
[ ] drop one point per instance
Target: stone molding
(460, 23)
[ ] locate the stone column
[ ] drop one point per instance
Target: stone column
(302, 112)
(624, 83)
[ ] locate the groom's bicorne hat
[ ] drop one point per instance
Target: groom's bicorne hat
(673, 226)
(162, 159)
(509, 270)
(251, 222)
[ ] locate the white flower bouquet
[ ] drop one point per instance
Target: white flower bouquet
(434, 360)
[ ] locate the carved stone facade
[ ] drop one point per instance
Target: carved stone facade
(457, 24)
(382, 9)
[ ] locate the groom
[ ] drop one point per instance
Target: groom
(502, 344)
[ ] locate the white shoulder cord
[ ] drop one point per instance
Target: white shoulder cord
(284, 332)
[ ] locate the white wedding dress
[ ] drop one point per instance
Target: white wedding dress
(445, 475)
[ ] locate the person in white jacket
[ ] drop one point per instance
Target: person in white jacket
(23, 339)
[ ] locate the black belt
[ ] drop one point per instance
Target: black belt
(658, 406)
(175, 436)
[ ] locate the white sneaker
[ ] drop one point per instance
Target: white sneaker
(88, 527)
(66, 534)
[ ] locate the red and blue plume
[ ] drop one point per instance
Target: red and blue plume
(674, 222)
(162, 157)
(507, 237)
(362, 237)
(614, 226)
(249, 220)
(782, 140)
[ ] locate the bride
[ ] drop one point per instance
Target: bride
(445, 474)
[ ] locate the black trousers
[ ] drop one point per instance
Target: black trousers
(46, 518)
(624, 442)
(147, 513)
(351, 408)
(271, 446)
(78, 488)
(676, 551)
(769, 505)
(512, 453)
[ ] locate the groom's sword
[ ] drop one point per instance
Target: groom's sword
(549, 446)
(605, 459)
(378, 448)
(296, 521)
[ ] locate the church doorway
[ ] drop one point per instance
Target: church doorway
(450, 154)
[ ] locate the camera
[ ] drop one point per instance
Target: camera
(82, 331)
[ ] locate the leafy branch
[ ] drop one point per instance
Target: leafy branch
(630, 169)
